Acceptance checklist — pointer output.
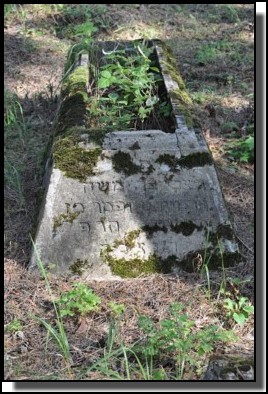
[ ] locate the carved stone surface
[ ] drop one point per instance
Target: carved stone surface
(151, 195)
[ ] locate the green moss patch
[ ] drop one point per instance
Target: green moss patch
(76, 81)
(132, 268)
(136, 267)
(179, 95)
(122, 162)
(129, 239)
(74, 161)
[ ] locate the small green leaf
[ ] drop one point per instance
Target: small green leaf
(106, 74)
(104, 83)
(240, 318)
(155, 69)
(248, 308)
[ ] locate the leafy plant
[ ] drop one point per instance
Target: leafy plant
(229, 13)
(80, 300)
(13, 326)
(242, 150)
(126, 91)
(9, 9)
(177, 337)
(85, 29)
(117, 309)
(238, 309)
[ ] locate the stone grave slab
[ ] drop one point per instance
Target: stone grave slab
(129, 203)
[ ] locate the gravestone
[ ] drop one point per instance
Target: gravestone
(126, 203)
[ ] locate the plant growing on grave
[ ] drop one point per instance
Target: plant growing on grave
(126, 90)
(239, 309)
(177, 337)
(80, 300)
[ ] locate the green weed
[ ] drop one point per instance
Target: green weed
(241, 150)
(126, 90)
(176, 337)
(9, 10)
(58, 333)
(78, 301)
(238, 309)
(13, 326)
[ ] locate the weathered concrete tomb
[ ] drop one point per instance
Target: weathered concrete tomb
(133, 198)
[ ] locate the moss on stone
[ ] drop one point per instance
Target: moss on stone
(223, 231)
(132, 268)
(122, 162)
(74, 100)
(129, 239)
(72, 113)
(74, 161)
(79, 267)
(150, 230)
(171, 160)
(74, 52)
(179, 95)
(197, 159)
(64, 217)
(76, 81)
(185, 228)
(94, 136)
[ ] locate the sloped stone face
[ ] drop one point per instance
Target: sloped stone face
(149, 202)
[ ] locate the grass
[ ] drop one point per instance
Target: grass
(58, 333)
(214, 49)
